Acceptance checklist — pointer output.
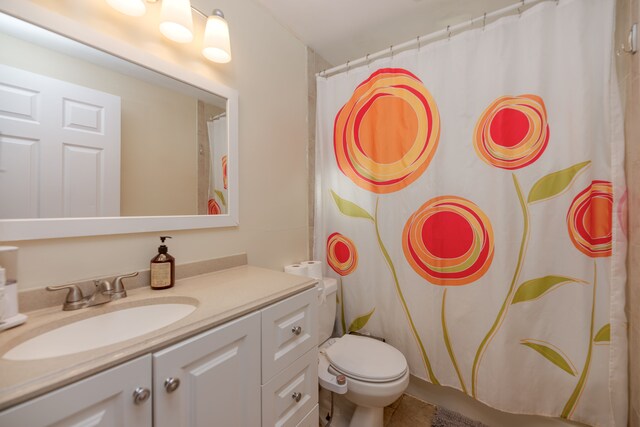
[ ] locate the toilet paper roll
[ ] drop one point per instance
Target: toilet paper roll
(297, 269)
(314, 268)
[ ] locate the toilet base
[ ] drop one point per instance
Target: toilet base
(365, 416)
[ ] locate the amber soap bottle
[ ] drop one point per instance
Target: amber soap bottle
(163, 267)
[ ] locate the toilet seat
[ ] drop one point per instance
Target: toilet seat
(366, 359)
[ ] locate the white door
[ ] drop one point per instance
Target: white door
(105, 400)
(212, 379)
(59, 148)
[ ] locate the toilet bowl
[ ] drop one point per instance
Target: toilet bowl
(370, 373)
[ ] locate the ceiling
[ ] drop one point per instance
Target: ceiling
(344, 30)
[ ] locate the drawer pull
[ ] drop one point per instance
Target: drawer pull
(171, 384)
(141, 395)
(296, 330)
(296, 396)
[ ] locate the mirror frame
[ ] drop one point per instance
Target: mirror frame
(45, 228)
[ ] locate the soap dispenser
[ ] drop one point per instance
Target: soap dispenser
(163, 268)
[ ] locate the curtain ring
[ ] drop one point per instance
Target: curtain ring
(418, 40)
(484, 21)
(367, 60)
(348, 66)
(448, 33)
(391, 51)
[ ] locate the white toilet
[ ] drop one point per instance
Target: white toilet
(376, 373)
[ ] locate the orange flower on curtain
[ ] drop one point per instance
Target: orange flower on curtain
(512, 132)
(224, 172)
(448, 241)
(214, 207)
(589, 220)
(342, 255)
(387, 133)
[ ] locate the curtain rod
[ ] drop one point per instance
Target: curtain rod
(519, 7)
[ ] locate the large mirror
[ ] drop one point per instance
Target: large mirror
(93, 144)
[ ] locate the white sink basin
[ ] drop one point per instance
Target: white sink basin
(99, 331)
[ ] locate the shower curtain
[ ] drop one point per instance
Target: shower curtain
(470, 196)
(217, 128)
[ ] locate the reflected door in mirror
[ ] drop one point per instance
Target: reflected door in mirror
(59, 148)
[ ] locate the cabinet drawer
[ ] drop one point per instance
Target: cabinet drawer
(289, 330)
(312, 419)
(292, 394)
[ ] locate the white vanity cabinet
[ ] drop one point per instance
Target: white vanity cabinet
(259, 369)
(107, 399)
(210, 379)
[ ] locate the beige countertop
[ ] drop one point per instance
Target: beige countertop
(220, 296)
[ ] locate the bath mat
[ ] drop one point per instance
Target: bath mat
(444, 417)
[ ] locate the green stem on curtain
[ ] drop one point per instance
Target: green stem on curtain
(344, 325)
(425, 358)
(507, 301)
(447, 342)
(571, 404)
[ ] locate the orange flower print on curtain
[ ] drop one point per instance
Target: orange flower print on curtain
(342, 255)
(589, 220)
(224, 172)
(214, 207)
(512, 132)
(387, 133)
(448, 241)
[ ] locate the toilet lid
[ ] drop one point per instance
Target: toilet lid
(366, 359)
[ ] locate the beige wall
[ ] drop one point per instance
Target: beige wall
(629, 75)
(269, 71)
(158, 129)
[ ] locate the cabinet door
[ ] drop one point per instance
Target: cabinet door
(289, 330)
(105, 399)
(219, 378)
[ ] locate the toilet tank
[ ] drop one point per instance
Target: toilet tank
(327, 289)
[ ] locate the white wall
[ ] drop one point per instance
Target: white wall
(269, 71)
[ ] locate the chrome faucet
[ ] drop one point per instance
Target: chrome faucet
(104, 292)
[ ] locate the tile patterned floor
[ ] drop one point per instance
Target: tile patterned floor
(408, 411)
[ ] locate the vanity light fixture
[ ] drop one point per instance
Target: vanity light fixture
(176, 23)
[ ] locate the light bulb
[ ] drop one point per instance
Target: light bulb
(217, 47)
(128, 7)
(176, 22)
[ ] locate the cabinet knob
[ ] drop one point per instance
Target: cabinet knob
(296, 396)
(296, 330)
(141, 395)
(171, 384)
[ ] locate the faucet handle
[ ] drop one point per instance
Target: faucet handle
(118, 286)
(74, 299)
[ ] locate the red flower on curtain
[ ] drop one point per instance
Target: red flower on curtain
(387, 133)
(589, 220)
(342, 255)
(224, 172)
(448, 241)
(512, 132)
(214, 207)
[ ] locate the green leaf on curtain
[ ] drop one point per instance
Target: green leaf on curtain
(221, 197)
(536, 288)
(555, 183)
(349, 208)
(552, 354)
(604, 335)
(360, 322)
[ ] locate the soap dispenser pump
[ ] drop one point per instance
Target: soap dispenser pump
(163, 267)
